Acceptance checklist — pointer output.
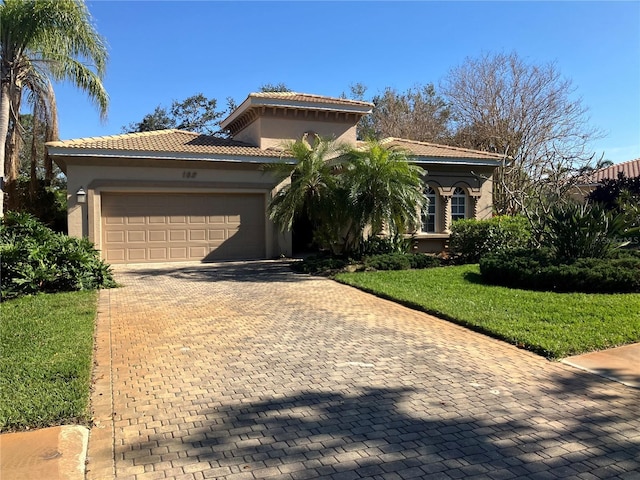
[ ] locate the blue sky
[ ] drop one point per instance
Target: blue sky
(168, 50)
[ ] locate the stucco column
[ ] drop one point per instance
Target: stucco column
(474, 206)
(446, 213)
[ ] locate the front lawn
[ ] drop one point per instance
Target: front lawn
(555, 325)
(46, 342)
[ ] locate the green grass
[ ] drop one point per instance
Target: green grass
(46, 343)
(555, 325)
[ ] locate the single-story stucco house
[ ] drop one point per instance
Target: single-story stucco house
(172, 196)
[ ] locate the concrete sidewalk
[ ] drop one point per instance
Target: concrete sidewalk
(48, 453)
(621, 364)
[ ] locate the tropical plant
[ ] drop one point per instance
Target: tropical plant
(40, 41)
(384, 190)
(36, 259)
(346, 192)
(381, 244)
(313, 189)
(576, 230)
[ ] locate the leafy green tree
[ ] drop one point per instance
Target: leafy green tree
(622, 196)
(196, 113)
(418, 113)
(612, 190)
(274, 87)
(159, 119)
(40, 41)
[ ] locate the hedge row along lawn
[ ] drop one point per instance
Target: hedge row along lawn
(45, 367)
(555, 325)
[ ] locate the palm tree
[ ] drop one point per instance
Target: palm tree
(313, 190)
(40, 41)
(384, 189)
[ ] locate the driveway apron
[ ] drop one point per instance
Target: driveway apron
(249, 371)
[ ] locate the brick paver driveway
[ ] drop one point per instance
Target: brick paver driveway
(248, 371)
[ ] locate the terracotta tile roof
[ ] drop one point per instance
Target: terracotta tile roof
(630, 169)
(167, 141)
(308, 97)
(433, 150)
(255, 104)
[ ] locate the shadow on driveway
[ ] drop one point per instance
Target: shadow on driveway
(245, 271)
(321, 434)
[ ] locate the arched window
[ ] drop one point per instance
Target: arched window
(428, 215)
(458, 205)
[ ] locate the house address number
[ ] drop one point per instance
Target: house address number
(189, 174)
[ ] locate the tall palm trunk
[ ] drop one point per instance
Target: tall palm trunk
(5, 99)
(33, 175)
(14, 142)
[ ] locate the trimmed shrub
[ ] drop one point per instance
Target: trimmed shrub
(422, 260)
(541, 270)
(472, 239)
(36, 259)
(320, 264)
(388, 261)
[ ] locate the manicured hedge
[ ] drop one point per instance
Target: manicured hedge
(386, 261)
(471, 239)
(540, 270)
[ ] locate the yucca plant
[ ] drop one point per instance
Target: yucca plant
(582, 231)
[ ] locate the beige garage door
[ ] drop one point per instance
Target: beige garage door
(182, 227)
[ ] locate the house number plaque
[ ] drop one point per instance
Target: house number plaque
(189, 174)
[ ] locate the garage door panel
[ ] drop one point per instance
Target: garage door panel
(178, 253)
(196, 235)
(134, 236)
(136, 254)
(115, 236)
(115, 255)
(157, 236)
(177, 235)
(182, 227)
(157, 254)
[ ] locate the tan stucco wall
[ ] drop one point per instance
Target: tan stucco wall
(271, 132)
(162, 176)
(477, 182)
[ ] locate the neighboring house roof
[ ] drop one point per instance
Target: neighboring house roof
(434, 153)
(630, 169)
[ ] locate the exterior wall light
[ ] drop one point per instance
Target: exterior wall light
(81, 196)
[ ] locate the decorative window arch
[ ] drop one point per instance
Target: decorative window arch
(428, 217)
(458, 204)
